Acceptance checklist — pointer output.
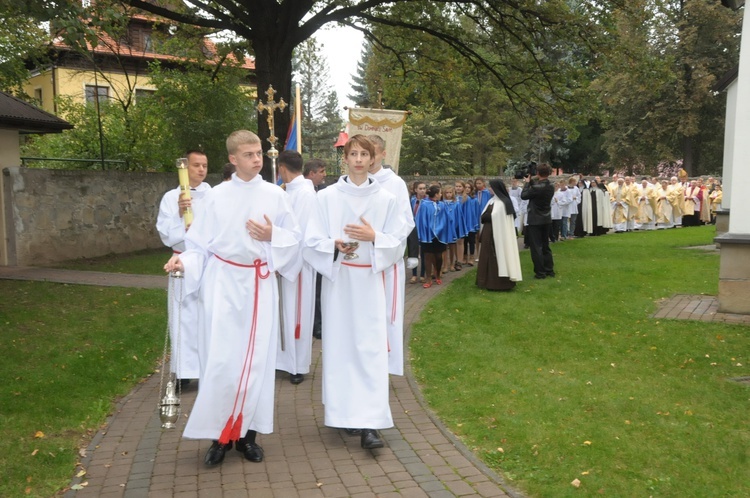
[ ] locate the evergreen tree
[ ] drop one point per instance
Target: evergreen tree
(360, 94)
(432, 145)
(321, 121)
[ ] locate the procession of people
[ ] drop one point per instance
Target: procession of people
(247, 255)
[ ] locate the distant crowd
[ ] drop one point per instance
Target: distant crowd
(581, 206)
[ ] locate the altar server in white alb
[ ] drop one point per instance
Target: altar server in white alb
(247, 232)
(294, 353)
(355, 335)
(395, 276)
(183, 311)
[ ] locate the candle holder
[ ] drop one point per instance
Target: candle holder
(182, 172)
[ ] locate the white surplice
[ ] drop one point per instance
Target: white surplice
(239, 295)
(395, 276)
(353, 295)
(298, 294)
(182, 311)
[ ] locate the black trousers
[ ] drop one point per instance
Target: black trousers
(541, 254)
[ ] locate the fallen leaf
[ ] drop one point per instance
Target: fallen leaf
(82, 452)
(39, 435)
(81, 473)
(587, 443)
(500, 450)
(585, 473)
(575, 483)
(33, 453)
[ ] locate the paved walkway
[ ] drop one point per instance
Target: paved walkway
(132, 457)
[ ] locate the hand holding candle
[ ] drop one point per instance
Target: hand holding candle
(182, 172)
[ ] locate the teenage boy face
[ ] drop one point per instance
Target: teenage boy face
(248, 160)
(358, 159)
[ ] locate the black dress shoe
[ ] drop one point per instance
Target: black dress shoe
(216, 453)
(370, 439)
(540, 276)
(551, 274)
(296, 378)
(353, 432)
(251, 451)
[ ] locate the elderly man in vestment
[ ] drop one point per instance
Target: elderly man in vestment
(172, 228)
(663, 212)
(357, 234)
(247, 232)
(294, 353)
(705, 213)
(715, 199)
(693, 198)
(646, 206)
(676, 197)
(618, 194)
(395, 276)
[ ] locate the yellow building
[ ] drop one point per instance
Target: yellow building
(122, 67)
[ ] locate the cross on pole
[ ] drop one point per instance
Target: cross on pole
(270, 106)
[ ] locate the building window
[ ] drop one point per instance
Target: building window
(148, 45)
(143, 94)
(38, 97)
(94, 92)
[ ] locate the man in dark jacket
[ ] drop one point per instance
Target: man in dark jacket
(539, 191)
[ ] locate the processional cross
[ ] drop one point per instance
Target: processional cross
(270, 106)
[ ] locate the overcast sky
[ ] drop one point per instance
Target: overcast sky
(342, 47)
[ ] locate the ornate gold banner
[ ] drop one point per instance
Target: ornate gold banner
(384, 122)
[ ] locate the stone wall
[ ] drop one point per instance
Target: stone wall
(56, 215)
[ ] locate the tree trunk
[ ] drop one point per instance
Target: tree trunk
(687, 155)
(273, 66)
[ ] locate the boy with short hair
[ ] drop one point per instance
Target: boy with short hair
(172, 230)
(358, 210)
(248, 231)
(294, 353)
(395, 277)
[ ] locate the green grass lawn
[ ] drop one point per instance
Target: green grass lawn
(67, 353)
(569, 378)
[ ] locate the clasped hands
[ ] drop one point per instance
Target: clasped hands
(363, 232)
